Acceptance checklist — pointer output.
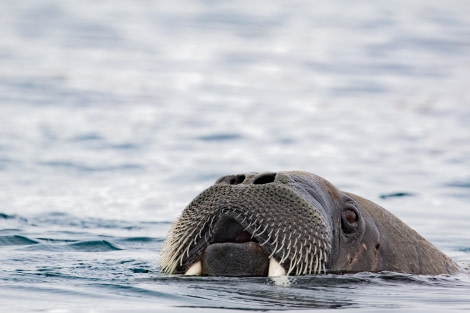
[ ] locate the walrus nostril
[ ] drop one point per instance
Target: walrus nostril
(236, 179)
(265, 179)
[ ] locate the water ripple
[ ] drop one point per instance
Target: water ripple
(89, 168)
(93, 246)
(16, 240)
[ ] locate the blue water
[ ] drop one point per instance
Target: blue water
(115, 114)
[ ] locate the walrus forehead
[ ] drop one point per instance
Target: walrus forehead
(289, 227)
(314, 189)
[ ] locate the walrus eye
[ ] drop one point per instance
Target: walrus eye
(349, 220)
(350, 216)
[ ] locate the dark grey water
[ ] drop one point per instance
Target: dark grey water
(115, 114)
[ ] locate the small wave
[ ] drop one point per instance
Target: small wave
(141, 239)
(87, 137)
(94, 246)
(81, 246)
(397, 195)
(16, 240)
(220, 137)
(69, 220)
(91, 168)
(465, 184)
(6, 216)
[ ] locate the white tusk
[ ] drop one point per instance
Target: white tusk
(275, 269)
(195, 269)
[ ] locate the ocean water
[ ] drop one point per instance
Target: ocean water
(115, 114)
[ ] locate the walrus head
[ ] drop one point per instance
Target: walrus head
(255, 225)
(292, 223)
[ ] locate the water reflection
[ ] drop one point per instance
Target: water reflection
(320, 292)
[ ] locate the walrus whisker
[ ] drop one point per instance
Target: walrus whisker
(304, 259)
(317, 265)
(288, 254)
(247, 227)
(295, 255)
(291, 268)
(187, 251)
(259, 235)
(298, 265)
(284, 258)
(312, 259)
(310, 266)
(194, 242)
(211, 224)
(260, 225)
(283, 242)
(265, 242)
(321, 255)
(301, 255)
(304, 270)
(309, 249)
(274, 250)
(281, 248)
(270, 233)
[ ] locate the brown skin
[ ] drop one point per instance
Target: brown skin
(378, 240)
(391, 245)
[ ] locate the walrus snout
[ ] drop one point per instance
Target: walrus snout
(249, 218)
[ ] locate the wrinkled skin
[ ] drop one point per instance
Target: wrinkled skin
(299, 220)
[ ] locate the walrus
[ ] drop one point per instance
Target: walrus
(292, 223)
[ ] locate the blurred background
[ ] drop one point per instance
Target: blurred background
(115, 114)
(128, 109)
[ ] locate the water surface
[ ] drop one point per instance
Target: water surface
(114, 115)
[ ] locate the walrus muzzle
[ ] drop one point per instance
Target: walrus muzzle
(243, 227)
